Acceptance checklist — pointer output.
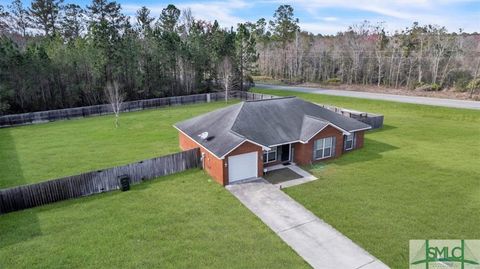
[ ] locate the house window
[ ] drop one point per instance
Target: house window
(270, 155)
(349, 142)
(323, 148)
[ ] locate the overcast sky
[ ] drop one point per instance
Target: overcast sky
(326, 16)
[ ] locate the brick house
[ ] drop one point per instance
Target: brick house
(239, 141)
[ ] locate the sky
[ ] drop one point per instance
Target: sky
(325, 16)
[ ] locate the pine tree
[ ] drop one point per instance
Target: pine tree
(144, 20)
(284, 25)
(105, 23)
(169, 18)
(44, 14)
(246, 53)
(72, 22)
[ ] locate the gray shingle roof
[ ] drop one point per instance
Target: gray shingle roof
(266, 122)
(310, 127)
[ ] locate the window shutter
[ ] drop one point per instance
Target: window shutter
(314, 157)
(334, 139)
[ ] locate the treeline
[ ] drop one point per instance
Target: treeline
(55, 55)
(426, 57)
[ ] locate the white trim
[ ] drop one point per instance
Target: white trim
(345, 132)
(276, 145)
(196, 142)
(363, 129)
(290, 153)
(323, 148)
(251, 141)
(246, 140)
(290, 159)
(222, 157)
(269, 151)
(329, 124)
(346, 140)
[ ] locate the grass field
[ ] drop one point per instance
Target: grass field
(417, 178)
(179, 221)
(35, 153)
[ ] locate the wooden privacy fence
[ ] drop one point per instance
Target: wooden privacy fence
(251, 96)
(80, 112)
(86, 111)
(374, 120)
(27, 196)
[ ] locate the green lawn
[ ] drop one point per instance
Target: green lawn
(417, 178)
(179, 221)
(35, 153)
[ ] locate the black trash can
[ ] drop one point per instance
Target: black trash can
(124, 182)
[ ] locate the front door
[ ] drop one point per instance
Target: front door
(285, 155)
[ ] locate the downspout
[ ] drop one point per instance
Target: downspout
(202, 159)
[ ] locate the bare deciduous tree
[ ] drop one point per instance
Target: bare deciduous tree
(473, 86)
(225, 71)
(421, 57)
(115, 96)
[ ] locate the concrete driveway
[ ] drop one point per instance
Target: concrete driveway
(315, 241)
(380, 96)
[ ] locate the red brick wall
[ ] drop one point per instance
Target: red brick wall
(359, 136)
(213, 165)
(246, 148)
(216, 167)
(304, 152)
(185, 142)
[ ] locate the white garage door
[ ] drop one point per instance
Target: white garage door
(242, 166)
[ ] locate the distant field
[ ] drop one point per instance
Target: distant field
(35, 153)
(179, 221)
(417, 178)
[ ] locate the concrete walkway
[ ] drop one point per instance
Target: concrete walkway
(380, 96)
(315, 241)
(305, 176)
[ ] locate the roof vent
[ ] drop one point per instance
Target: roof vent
(203, 135)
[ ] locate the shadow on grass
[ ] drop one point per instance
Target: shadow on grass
(384, 128)
(146, 184)
(22, 226)
(371, 150)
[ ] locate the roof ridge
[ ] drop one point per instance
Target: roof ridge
(270, 99)
(316, 118)
(242, 104)
(216, 111)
